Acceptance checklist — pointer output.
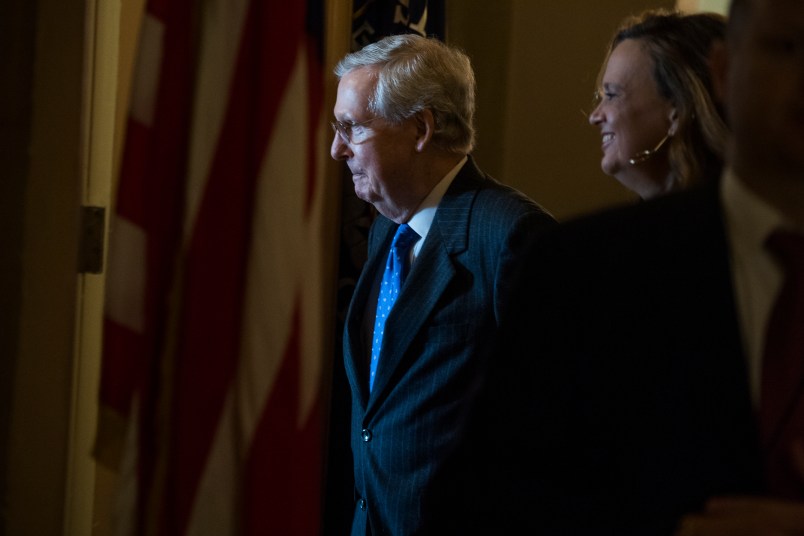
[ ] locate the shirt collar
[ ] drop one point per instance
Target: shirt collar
(422, 219)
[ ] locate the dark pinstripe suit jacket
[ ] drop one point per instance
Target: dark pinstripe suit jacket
(447, 311)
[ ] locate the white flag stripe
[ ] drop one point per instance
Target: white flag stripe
(279, 250)
(125, 288)
(124, 521)
(222, 30)
(146, 70)
(314, 315)
(283, 266)
(215, 509)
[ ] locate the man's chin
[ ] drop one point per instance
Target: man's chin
(361, 194)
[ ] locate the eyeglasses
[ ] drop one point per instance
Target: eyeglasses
(352, 132)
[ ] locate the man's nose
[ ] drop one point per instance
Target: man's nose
(339, 150)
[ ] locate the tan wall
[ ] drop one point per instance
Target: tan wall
(718, 6)
(536, 63)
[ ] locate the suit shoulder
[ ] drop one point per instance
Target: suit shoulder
(505, 203)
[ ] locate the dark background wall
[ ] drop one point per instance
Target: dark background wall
(41, 88)
(16, 42)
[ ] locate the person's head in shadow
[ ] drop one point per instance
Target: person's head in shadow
(662, 128)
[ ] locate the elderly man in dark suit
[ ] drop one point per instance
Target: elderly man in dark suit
(655, 368)
(430, 297)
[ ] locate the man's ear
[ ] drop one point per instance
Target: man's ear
(719, 68)
(425, 127)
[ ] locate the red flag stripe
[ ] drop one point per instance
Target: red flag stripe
(214, 342)
(285, 373)
(216, 259)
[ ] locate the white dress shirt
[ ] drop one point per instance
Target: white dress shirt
(422, 219)
(756, 274)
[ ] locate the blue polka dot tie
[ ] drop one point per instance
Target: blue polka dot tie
(395, 272)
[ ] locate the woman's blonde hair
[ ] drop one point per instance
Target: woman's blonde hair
(679, 45)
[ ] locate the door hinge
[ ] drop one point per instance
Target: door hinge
(90, 254)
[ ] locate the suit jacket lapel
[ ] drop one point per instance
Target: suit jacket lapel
(420, 293)
(355, 358)
(429, 276)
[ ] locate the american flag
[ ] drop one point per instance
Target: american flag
(217, 330)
